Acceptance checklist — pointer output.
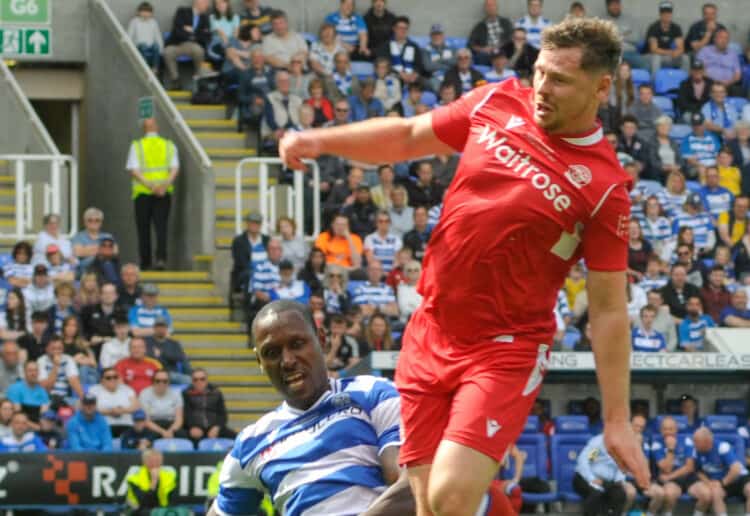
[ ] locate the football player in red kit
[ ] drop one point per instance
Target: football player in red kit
(537, 188)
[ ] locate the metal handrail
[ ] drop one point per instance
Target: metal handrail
(23, 197)
(266, 206)
(157, 90)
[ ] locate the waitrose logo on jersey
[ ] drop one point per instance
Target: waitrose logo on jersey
(518, 162)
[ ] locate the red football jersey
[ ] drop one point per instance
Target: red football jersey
(523, 207)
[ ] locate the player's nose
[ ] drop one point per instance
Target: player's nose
(288, 358)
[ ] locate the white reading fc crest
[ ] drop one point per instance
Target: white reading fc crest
(578, 175)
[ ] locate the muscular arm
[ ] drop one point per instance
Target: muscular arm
(397, 499)
(400, 139)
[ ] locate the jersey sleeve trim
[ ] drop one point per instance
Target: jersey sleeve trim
(482, 102)
(603, 199)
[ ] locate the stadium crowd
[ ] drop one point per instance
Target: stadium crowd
(89, 360)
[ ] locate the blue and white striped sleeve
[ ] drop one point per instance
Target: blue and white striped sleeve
(239, 492)
(385, 413)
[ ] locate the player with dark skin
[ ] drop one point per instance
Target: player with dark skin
(565, 101)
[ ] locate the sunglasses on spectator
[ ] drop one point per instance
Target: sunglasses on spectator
(161, 381)
(411, 270)
(342, 110)
(93, 220)
(110, 377)
(199, 378)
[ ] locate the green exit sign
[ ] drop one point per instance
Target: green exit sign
(25, 42)
(24, 11)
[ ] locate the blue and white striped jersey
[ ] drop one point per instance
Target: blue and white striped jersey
(648, 341)
(656, 230)
(265, 277)
(702, 226)
(562, 306)
(18, 270)
(716, 200)
(673, 203)
(384, 248)
(323, 461)
(648, 284)
(369, 294)
(348, 29)
(533, 29)
(433, 216)
(141, 316)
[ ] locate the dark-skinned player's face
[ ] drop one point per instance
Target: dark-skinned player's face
(289, 351)
(565, 96)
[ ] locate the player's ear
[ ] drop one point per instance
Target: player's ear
(257, 358)
(603, 86)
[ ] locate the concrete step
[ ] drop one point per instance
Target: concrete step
(221, 139)
(179, 97)
(223, 243)
(236, 342)
(228, 213)
(203, 262)
(214, 354)
(186, 289)
(256, 393)
(191, 112)
(7, 224)
(254, 405)
(248, 183)
(225, 200)
(224, 153)
(241, 380)
(212, 125)
(7, 181)
(200, 314)
(194, 301)
(207, 326)
(8, 209)
(175, 276)
(240, 421)
(7, 195)
(247, 364)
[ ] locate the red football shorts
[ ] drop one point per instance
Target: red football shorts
(478, 395)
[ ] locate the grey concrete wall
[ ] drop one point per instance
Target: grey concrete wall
(458, 17)
(115, 80)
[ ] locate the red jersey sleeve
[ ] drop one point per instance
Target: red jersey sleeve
(451, 123)
(605, 239)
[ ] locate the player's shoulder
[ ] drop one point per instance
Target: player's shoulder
(370, 389)
(263, 427)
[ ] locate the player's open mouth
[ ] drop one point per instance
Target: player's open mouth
(294, 380)
(542, 109)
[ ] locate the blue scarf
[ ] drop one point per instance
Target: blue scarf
(402, 61)
(344, 84)
(715, 112)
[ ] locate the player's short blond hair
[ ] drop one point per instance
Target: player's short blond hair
(599, 39)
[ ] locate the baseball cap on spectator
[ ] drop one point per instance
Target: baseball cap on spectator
(49, 415)
(88, 399)
(436, 28)
(139, 415)
(697, 119)
(285, 265)
(52, 249)
(255, 217)
(696, 64)
(39, 316)
(160, 321)
(106, 238)
(150, 289)
(686, 397)
(665, 6)
(40, 269)
(694, 199)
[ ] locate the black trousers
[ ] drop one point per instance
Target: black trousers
(152, 209)
(610, 501)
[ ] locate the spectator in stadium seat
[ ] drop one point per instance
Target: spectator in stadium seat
(722, 257)
(115, 401)
(639, 251)
(11, 367)
(700, 148)
(225, 25)
(86, 242)
(718, 467)
(644, 338)
(290, 288)
(438, 56)
(282, 43)
(462, 75)
(714, 294)
(365, 105)
(138, 437)
(335, 293)
(387, 84)
(256, 16)
(677, 291)
(635, 146)
(655, 492)
(98, 320)
(379, 22)
(408, 297)
(598, 480)
(490, 34)
(118, 347)
(629, 30)
(243, 57)
(718, 201)
(144, 32)
(703, 32)
(666, 45)
(722, 63)
(405, 55)
(408, 105)
(730, 176)
(19, 270)
(168, 352)
(374, 295)
(736, 315)
(741, 253)
(685, 256)
(190, 36)
(342, 83)
(137, 370)
(447, 94)
(264, 278)
(294, 247)
(534, 22)
(88, 430)
(48, 432)
(694, 91)
(521, 55)
(664, 323)
(324, 50)
(299, 79)
(378, 335)
(33, 343)
(322, 108)
(382, 244)
(281, 112)
(21, 438)
(381, 192)
(248, 247)
(500, 70)
(51, 235)
(152, 487)
(425, 191)
(350, 29)
(26, 394)
(675, 462)
(39, 295)
(720, 116)
(14, 317)
(343, 193)
(692, 329)
(646, 111)
(668, 157)
(361, 213)
(402, 215)
(417, 238)
(314, 270)
(163, 407)
(129, 290)
(689, 409)
(622, 94)
(59, 269)
(342, 350)
(205, 410)
(256, 81)
(694, 217)
(106, 263)
(741, 149)
(78, 348)
(63, 306)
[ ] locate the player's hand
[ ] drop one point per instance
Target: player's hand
(670, 442)
(296, 146)
(624, 448)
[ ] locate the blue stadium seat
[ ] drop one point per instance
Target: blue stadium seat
(725, 423)
(420, 41)
(571, 424)
(682, 422)
(673, 406)
(219, 444)
(693, 186)
(353, 285)
(650, 187)
(116, 444)
(457, 41)
(565, 449)
(363, 69)
(532, 425)
(667, 80)
(734, 439)
(429, 99)
(665, 104)
(174, 445)
(732, 406)
(640, 76)
(483, 69)
(535, 447)
(679, 132)
(309, 37)
(738, 102)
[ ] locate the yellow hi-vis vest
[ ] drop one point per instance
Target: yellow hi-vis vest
(142, 480)
(154, 155)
